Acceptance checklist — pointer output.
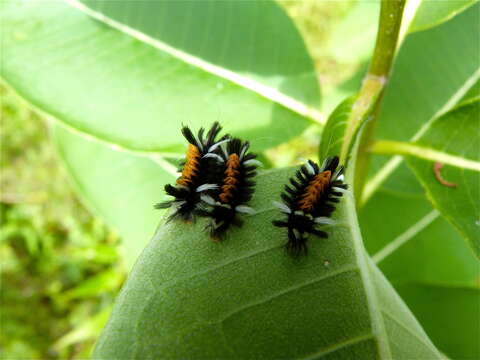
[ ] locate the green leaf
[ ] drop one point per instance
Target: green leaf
(419, 252)
(334, 130)
(434, 12)
(457, 133)
(472, 93)
(417, 94)
(426, 248)
(189, 297)
(112, 86)
(353, 39)
(119, 186)
(457, 329)
(253, 39)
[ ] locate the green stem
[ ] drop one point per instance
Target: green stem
(385, 47)
(370, 96)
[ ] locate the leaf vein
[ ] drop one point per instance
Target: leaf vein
(339, 346)
(213, 268)
(340, 271)
(399, 323)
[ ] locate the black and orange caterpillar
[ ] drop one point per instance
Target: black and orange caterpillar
(235, 187)
(309, 201)
(197, 173)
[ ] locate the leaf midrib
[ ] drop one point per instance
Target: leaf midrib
(414, 335)
(157, 157)
(263, 90)
(378, 326)
(84, 134)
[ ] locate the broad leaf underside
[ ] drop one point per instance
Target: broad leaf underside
(246, 298)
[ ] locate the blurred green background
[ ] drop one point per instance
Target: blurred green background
(60, 266)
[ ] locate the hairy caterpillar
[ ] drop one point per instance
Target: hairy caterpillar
(310, 201)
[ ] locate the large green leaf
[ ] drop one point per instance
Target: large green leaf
(189, 297)
(417, 94)
(457, 328)
(113, 86)
(120, 187)
(429, 264)
(456, 133)
(255, 38)
(452, 140)
(425, 248)
(434, 12)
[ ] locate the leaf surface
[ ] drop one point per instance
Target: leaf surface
(457, 133)
(354, 38)
(134, 95)
(253, 39)
(456, 331)
(434, 12)
(246, 298)
(118, 186)
(334, 130)
(429, 264)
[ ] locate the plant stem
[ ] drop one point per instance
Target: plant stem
(386, 44)
(370, 96)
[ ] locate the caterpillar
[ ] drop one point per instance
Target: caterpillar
(235, 187)
(309, 202)
(197, 173)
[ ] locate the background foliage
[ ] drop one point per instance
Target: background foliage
(70, 266)
(60, 266)
(69, 246)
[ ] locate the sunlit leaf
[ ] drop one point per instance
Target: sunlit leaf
(434, 12)
(254, 39)
(354, 38)
(115, 87)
